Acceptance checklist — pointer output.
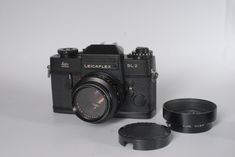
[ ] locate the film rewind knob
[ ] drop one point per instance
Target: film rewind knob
(67, 52)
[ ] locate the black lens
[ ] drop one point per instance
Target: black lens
(91, 103)
(95, 98)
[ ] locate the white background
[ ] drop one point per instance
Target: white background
(194, 45)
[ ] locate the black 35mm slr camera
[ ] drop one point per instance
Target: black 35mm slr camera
(101, 82)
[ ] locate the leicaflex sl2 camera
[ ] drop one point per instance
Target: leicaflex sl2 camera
(101, 82)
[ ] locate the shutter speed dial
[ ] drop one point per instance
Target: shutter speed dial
(142, 52)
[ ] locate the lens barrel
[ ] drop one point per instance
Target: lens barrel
(189, 115)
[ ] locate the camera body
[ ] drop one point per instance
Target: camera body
(127, 82)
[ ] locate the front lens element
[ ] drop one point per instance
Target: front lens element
(91, 103)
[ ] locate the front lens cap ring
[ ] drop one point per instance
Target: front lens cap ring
(190, 115)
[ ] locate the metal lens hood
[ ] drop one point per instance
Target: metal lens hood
(190, 115)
